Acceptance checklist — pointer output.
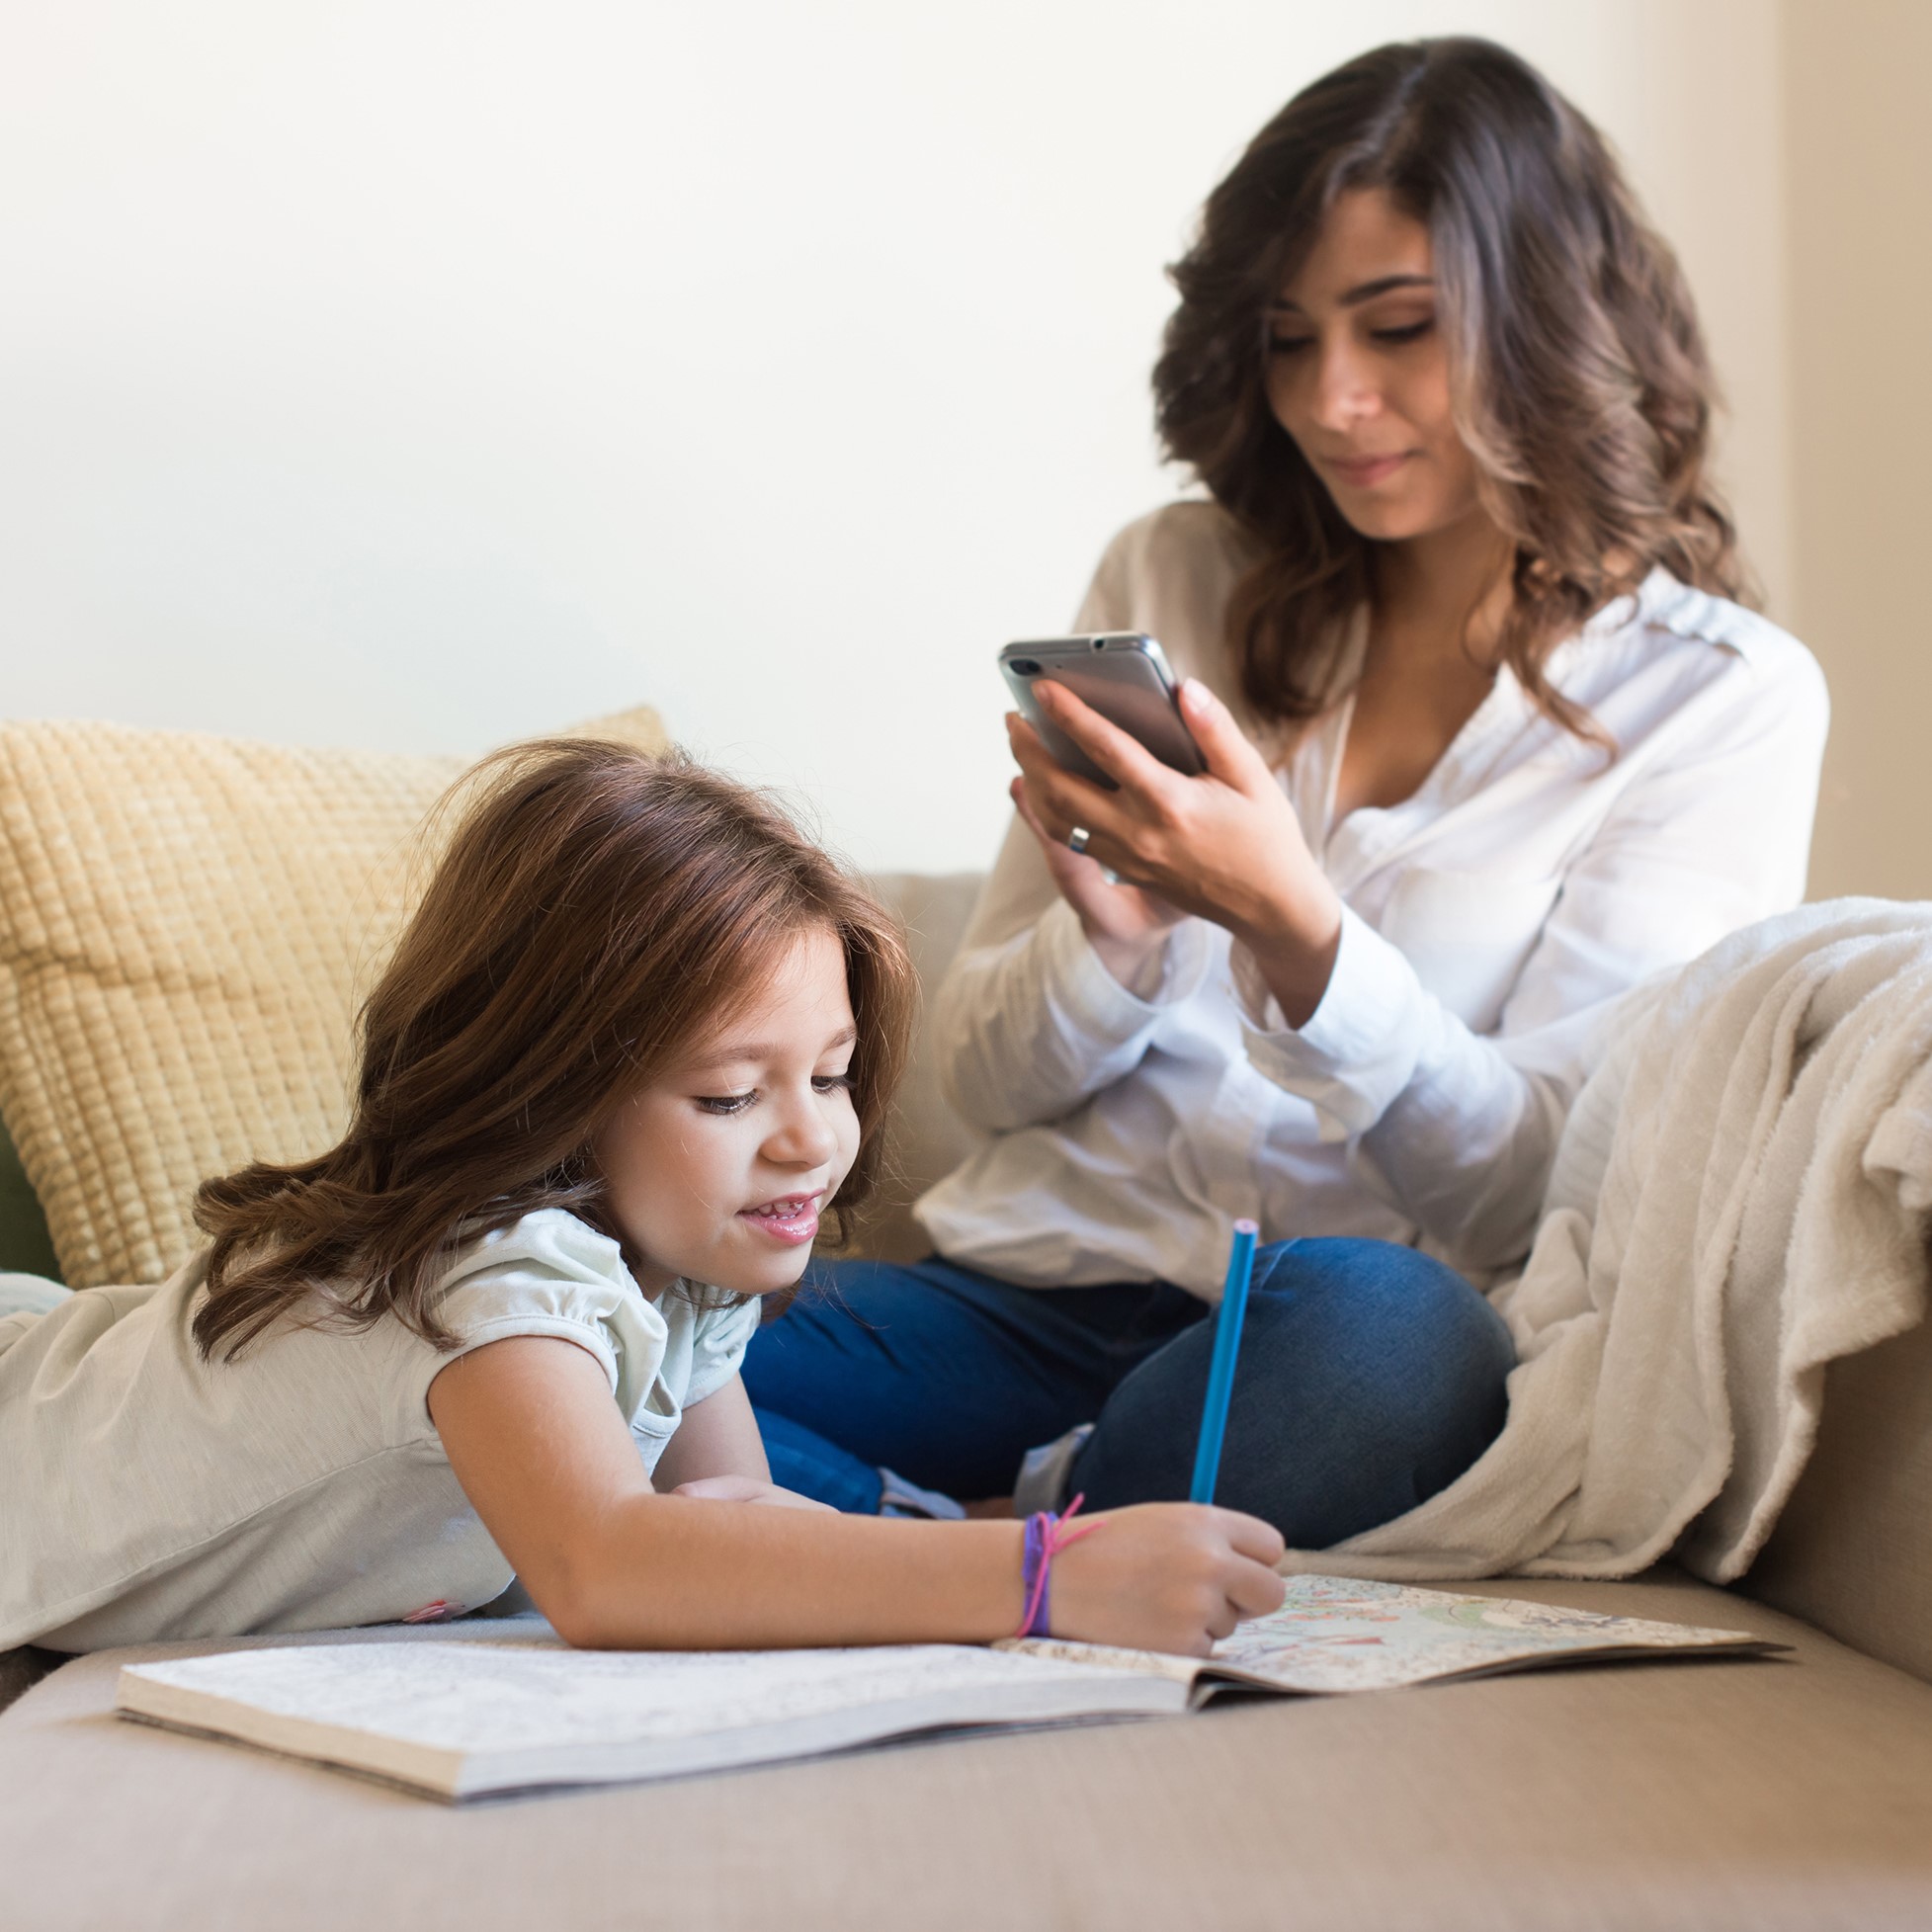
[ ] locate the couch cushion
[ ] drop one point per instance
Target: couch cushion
(1750, 1795)
(1852, 1551)
(187, 924)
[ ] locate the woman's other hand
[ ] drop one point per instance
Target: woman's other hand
(1124, 925)
(1224, 846)
(1166, 1576)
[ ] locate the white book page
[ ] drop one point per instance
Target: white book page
(452, 1710)
(505, 1696)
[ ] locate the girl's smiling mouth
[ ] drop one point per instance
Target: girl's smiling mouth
(792, 1218)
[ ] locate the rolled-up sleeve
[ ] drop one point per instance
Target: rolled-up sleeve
(1029, 1028)
(1364, 1042)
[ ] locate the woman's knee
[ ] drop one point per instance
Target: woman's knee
(1370, 1377)
(1419, 1358)
(1381, 1304)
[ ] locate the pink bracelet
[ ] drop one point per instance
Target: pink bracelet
(1047, 1535)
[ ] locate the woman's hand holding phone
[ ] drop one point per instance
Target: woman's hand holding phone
(1224, 846)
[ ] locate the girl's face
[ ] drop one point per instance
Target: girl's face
(717, 1170)
(1359, 376)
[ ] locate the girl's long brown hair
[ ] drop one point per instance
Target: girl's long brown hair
(597, 910)
(1578, 372)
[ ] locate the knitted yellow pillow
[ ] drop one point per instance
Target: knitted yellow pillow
(187, 926)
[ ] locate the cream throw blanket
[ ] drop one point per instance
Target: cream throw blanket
(1740, 1196)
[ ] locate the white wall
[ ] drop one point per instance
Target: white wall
(425, 373)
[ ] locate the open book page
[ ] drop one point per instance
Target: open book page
(502, 1696)
(1335, 1634)
(458, 1717)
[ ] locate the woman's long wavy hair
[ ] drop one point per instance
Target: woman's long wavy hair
(596, 913)
(1578, 375)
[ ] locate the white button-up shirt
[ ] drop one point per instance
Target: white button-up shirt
(1492, 923)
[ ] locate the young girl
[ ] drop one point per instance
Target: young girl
(636, 1038)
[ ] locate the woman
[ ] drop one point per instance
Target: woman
(1489, 740)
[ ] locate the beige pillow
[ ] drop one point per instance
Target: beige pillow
(187, 926)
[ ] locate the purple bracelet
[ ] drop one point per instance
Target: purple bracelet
(1047, 1535)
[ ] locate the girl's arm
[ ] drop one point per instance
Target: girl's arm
(716, 1437)
(544, 1457)
(718, 1453)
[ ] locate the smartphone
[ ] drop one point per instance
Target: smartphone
(1124, 676)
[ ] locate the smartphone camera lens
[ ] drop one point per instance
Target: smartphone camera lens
(1025, 667)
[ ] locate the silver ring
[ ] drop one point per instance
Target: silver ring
(1076, 840)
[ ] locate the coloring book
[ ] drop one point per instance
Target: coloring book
(461, 1719)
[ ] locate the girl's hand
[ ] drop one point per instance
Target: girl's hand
(1225, 846)
(1124, 925)
(747, 1489)
(1166, 1576)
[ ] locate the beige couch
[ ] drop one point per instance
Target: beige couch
(1786, 1793)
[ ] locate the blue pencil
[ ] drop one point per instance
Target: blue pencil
(1221, 1376)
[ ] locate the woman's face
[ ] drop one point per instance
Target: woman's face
(1359, 376)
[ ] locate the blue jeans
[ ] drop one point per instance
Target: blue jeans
(1370, 1377)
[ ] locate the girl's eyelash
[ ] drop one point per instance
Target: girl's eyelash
(735, 1103)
